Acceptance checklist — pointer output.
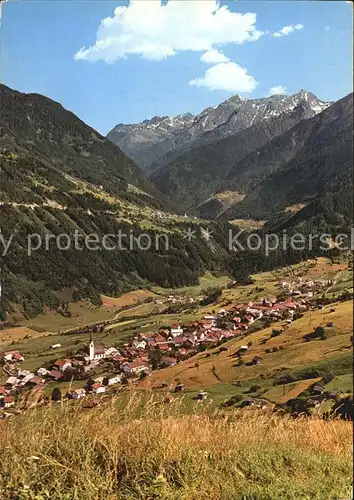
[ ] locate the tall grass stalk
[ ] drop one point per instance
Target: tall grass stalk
(149, 449)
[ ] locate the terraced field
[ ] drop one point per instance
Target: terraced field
(293, 392)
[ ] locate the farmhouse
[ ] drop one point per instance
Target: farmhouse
(12, 356)
(98, 388)
(62, 364)
(114, 380)
(135, 367)
(11, 382)
(77, 394)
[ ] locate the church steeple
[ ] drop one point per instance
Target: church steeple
(91, 347)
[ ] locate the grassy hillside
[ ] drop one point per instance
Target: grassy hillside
(113, 452)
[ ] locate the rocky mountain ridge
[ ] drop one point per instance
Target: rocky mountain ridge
(153, 143)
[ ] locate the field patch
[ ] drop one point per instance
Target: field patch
(283, 394)
(128, 299)
(18, 333)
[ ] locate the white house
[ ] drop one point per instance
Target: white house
(98, 389)
(110, 352)
(62, 364)
(13, 356)
(78, 394)
(139, 344)
(42, 372)
(55, 346)
(176, 330)
(26, 379)
(114, 380)
(135, 367)
(12, 381)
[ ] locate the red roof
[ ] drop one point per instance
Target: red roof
(2, 390)
(159, 338)
(164, 346)
(62, 362)
(136, 363)
(9, 399)
(55, 374)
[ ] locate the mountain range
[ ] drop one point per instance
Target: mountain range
(280, 160)
(154, 142)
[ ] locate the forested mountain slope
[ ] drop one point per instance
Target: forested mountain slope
(197, 174)
(312, 158)
(35, 127)
(58, 177)
(265, 168)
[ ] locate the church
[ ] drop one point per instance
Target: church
(95, 351)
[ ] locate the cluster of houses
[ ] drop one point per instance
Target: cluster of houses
(165, 215)
(178, 299)
(300, 287)
(144, 352)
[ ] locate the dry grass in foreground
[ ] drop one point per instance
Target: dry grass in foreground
(109, 452)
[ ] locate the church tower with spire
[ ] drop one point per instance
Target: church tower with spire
(91, 348)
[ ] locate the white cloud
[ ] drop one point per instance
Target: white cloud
(286, 30)
(156, 31)
(214, 57)
(278, 89)
(226, 76)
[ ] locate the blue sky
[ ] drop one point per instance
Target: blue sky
(154, 67)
